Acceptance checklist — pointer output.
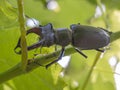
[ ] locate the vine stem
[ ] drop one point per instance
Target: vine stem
(23, 34)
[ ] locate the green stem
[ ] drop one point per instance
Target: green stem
(91, 70)
(11, 73)
(115, 36)
(23, 34)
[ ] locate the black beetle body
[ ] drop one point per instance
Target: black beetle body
(81, 37)
(88, 37)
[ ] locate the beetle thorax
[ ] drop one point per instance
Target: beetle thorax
(63, 36)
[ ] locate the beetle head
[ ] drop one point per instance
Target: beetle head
(47, 35)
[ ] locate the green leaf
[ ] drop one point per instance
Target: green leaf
(102, 84)
(40, 79)
(1, 87)
(8, 41)
(8, 14)
(70, 12)
(55, 72)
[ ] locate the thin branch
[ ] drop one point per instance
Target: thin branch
(115, 36)
(23, 34)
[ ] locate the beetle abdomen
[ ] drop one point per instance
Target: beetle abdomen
(88, 37)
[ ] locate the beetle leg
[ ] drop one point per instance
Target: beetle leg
(78, 50)
(36, 45)
(99, 50)
(61, 55)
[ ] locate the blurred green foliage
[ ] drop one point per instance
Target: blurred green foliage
(69, 12)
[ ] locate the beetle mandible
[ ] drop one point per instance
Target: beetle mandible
(81, 37)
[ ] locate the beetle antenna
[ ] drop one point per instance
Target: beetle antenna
(36, 45)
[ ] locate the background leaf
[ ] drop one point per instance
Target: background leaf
(8, 15)
(74, 76)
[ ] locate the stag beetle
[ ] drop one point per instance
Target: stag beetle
(81, 37)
